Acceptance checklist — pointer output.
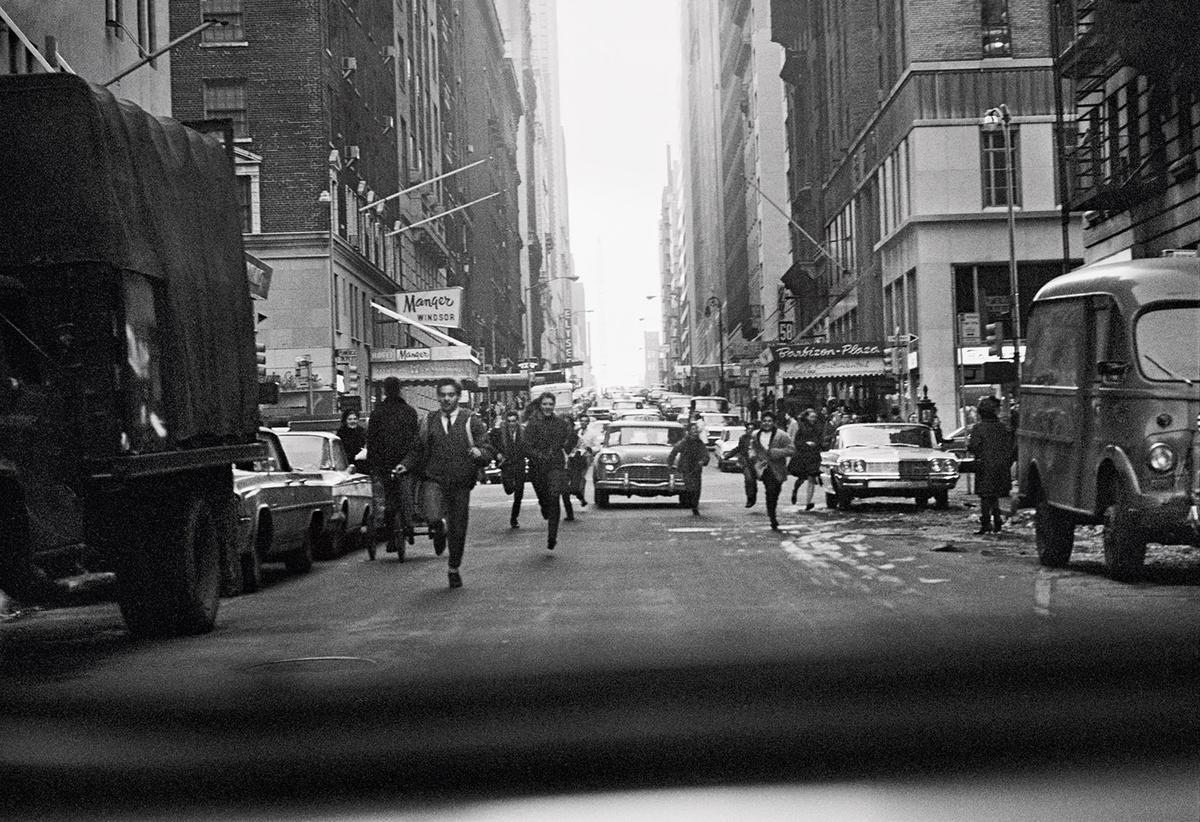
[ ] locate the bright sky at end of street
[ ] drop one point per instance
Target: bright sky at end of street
(619, 81)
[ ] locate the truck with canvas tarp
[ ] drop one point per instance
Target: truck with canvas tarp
(128, 384)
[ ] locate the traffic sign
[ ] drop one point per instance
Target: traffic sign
(786, 329)
(530, 365)
(997, 304)
(903, 339)
(347, 354)
(969, 328)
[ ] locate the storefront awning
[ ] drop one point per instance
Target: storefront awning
(445, 362)
(828, 361)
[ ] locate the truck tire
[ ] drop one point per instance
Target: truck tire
(251, 566)
(300, 561)
(1124, 542)
(1054, 530)
(169, 581)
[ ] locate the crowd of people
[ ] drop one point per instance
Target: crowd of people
(434, 461)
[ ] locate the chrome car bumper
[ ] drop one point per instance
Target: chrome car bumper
(894, 486)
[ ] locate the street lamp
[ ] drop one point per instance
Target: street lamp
(994, 119)
(709, 306)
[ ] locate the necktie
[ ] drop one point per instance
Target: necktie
(446, 422)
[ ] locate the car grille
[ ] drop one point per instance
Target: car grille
(914, 469)
(647, 473)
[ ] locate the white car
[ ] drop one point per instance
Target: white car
(715, 425)
(323, 453)
(887, 460)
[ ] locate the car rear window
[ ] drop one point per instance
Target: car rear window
(644, 436)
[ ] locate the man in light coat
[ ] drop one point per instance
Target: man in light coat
(770, 451)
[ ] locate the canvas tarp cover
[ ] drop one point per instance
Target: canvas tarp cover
(86, 178)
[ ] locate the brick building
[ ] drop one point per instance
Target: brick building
(906, 191)
(1131, 161)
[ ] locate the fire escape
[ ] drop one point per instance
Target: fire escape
(1135, 131)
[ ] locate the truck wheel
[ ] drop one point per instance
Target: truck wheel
(1055, 533)
(602, 500)
(169, 583)
(300, 561)
(1124, 542)
(941, 499)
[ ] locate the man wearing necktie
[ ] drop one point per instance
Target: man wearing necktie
(453, 442)
(508, 441)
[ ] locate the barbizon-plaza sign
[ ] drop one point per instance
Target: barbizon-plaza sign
(828, 360)
(441, 307)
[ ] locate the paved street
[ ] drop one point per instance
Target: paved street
(651, 647)
(642, 584)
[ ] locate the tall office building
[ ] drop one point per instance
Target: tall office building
(894, 166)
(531, 32)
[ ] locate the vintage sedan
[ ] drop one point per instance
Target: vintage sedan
(632, 461)
(887, 460)
(282, 513)
(715, 425)
(323, 453)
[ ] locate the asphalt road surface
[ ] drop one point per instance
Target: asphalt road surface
(653, 647)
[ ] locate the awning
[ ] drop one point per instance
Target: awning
(425, 372)
(505, 382)
(828, 370)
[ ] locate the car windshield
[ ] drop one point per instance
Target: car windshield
(303, 452)
(644, 436)
(1162, 354)
(910, 436)
(720, 419)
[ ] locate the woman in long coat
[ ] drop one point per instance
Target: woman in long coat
(992, 444)
(806, 465)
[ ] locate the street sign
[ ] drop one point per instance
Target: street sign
(786, 329)
(347, 354)
(530, 365)
(903, 339)
(997, 304)
(969, 328)
(352, 402)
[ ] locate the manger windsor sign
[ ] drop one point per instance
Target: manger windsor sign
(441, 307)
(828, 360)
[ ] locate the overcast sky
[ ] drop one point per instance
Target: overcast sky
(619, 63)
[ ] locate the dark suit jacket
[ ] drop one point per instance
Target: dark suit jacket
(445, 458)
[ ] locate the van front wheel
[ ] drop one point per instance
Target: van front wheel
(1124, 542)
(1055, 531)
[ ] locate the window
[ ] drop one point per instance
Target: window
(244, 203)
(995, 168)
(227, 99)
(1056, 340)
(997, 37)
(228, 11)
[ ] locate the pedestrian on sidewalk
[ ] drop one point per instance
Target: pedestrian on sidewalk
(580, 461)
(770, 450)
(806, 465)
(548, 440)
(452, 444)
(690, 455)
(993, 445)
(508, 441)
(391, 439)
(749, 475)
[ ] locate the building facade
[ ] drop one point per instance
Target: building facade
(913, 193)
(99, 45)
(1130, 161)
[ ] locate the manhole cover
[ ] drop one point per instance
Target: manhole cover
(315, 664)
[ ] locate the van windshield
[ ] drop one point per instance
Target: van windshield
(1162, 355)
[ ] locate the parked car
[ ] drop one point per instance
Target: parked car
(322, 452)
(1109, 402)
(632, 461)
(727, 460)
(282, 513)
(956, 443)
(887, 460)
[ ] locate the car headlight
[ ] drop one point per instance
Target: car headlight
(1162, 458)
(609, 458)
(942, 466)
(852, 466)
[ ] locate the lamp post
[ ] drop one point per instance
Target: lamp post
(993, 119)
(709, 306)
